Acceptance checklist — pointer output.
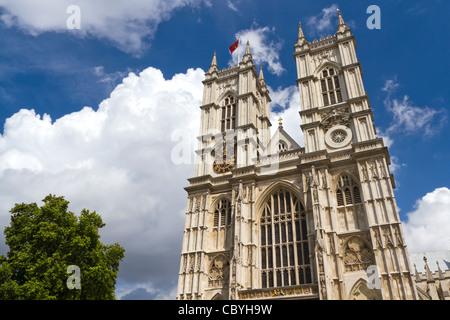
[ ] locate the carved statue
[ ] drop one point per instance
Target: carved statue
(364, 173)
(240, 195)
(313, 178)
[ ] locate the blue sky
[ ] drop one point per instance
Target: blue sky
(110, 155)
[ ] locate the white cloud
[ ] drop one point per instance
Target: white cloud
(395, 166)
(118, 160)
(232, 5)
(324, 21)
(115, 160)
(428, 227)
(408, 118)
(129, 24)
(264, 49)
(387, 139)
(286, 104)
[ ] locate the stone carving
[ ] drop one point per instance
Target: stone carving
(183, 268)
(313, 178)
(199, 260)
(191, 203)
(191, 263)
(387, 238)
(218, 272)
(230, 84)
(324, 181)
(204, 202)
(364, 173)
(336, 116)
(357, 255)
(382, 169)
(332, 247)
(373, 171)
(398, 237)
(360, 291)
(378, 239)
(315, 195)
(197, 203)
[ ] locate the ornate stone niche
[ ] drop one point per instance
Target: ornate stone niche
(358, 254)
(218, 272)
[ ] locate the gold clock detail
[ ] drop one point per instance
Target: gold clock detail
(222, 166)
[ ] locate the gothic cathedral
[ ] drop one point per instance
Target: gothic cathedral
(268, 219)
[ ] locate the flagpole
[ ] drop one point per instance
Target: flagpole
(239, 49)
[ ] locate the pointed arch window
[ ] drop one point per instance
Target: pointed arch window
(228, 119)
(331, 89)
(347, 192)
(222, 214)
(284, 242)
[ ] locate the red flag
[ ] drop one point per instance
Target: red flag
(234, 46)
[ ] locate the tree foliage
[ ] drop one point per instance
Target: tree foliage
(44, 241)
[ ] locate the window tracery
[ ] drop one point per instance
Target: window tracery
(284, 242)
(222, 214)
(218, 272)
(358, 255)
(228, 120)
(331, 89)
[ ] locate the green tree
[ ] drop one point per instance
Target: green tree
(44, 241)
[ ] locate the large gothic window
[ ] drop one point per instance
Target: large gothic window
(284, 242)
(331, 89)
(347, 192)
(222, 214)
(228, 120)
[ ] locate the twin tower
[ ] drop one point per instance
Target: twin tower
(267, 218)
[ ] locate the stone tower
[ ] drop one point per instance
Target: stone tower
(267, 218)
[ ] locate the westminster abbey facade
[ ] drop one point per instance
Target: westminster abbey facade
(267, 218)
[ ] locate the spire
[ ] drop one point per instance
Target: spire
(214, 60)
(341, 20)
(247, 55)
(441, 275)
(343, 30)
(427, 270)
(300, 32)
(262, 81)
(301, 41)
(417, 273)
(261, 74)
(247, 48)
(431, 283)
(213, 67)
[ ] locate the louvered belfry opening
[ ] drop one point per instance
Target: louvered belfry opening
(347, 192)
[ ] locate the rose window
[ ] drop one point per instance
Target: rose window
(338, 136)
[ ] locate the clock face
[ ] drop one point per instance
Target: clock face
(338, 136)
(221, 165)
